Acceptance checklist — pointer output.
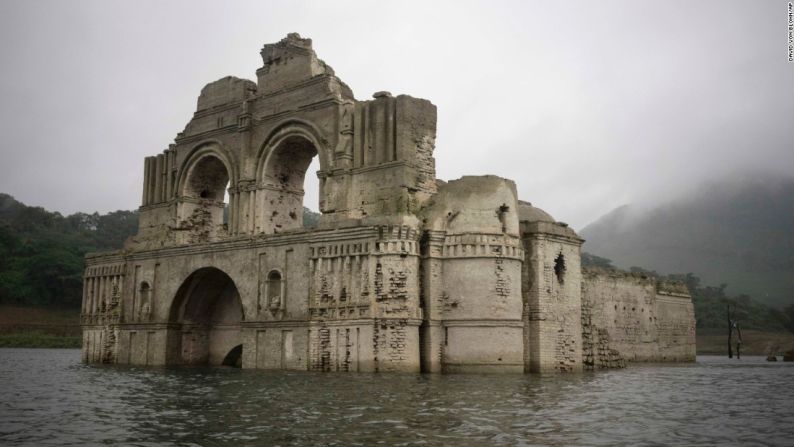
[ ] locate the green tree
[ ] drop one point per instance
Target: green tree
(42, 253)
(591, 260)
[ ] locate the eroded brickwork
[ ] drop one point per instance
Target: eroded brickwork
(552, 296)
(636, 318)
(596, 350)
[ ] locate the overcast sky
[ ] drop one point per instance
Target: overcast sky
(586, 105)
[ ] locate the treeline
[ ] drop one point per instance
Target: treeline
(41, 253)
(711, 302)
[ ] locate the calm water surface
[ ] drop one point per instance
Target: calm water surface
(49, 397)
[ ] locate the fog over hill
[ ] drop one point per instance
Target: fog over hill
(738, 231)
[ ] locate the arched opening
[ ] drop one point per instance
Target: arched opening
(206, 313)
(234, 358)
(207, 179)
(144, 307)
(205, 198)
(274, 290)
(284, 180)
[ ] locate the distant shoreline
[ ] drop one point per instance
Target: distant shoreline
(39, 327)
(38, 340)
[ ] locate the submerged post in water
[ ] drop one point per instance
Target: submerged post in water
(730, 332)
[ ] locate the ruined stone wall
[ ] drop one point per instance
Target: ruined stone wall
(552, 298)
(370, 288)
(353, 187)
(675, 323)
(344, 296)
(481, 305)
(101, 308)
(376, 157)
(433, 300)
(471, 278)
(276, 346)
(632, 317)
(343, 300)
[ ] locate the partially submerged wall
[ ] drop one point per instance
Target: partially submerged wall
(551, 289)
(472, 278)
(636, 318)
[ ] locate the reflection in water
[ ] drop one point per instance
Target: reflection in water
(47, 396)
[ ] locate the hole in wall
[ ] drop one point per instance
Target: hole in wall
(559, 268)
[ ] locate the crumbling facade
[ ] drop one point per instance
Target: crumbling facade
(404, 272)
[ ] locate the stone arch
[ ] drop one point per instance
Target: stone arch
(281, 172)
(205, 318)
(292, 128)
(204, 177)
(200, 151)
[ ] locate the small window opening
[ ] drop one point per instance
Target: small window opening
(559, 268)
(274, 300)
(145, 306)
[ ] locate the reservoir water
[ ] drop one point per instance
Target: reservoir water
(49, 397)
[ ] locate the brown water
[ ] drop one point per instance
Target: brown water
(49, 397)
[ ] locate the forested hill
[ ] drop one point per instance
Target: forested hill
(738, 232)
(41, 253)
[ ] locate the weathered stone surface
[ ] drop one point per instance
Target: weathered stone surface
(403, 272)
(642, 319)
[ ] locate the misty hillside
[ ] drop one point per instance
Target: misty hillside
(738, 232)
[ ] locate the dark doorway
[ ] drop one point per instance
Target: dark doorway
(207, 313)
(234, 358)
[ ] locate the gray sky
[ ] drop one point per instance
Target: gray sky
(587, 105)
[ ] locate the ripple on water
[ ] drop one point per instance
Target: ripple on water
(48, 397)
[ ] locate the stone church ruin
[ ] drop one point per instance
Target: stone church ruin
(404, 272)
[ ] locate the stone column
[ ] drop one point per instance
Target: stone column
(158, 178)
(145, 198)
